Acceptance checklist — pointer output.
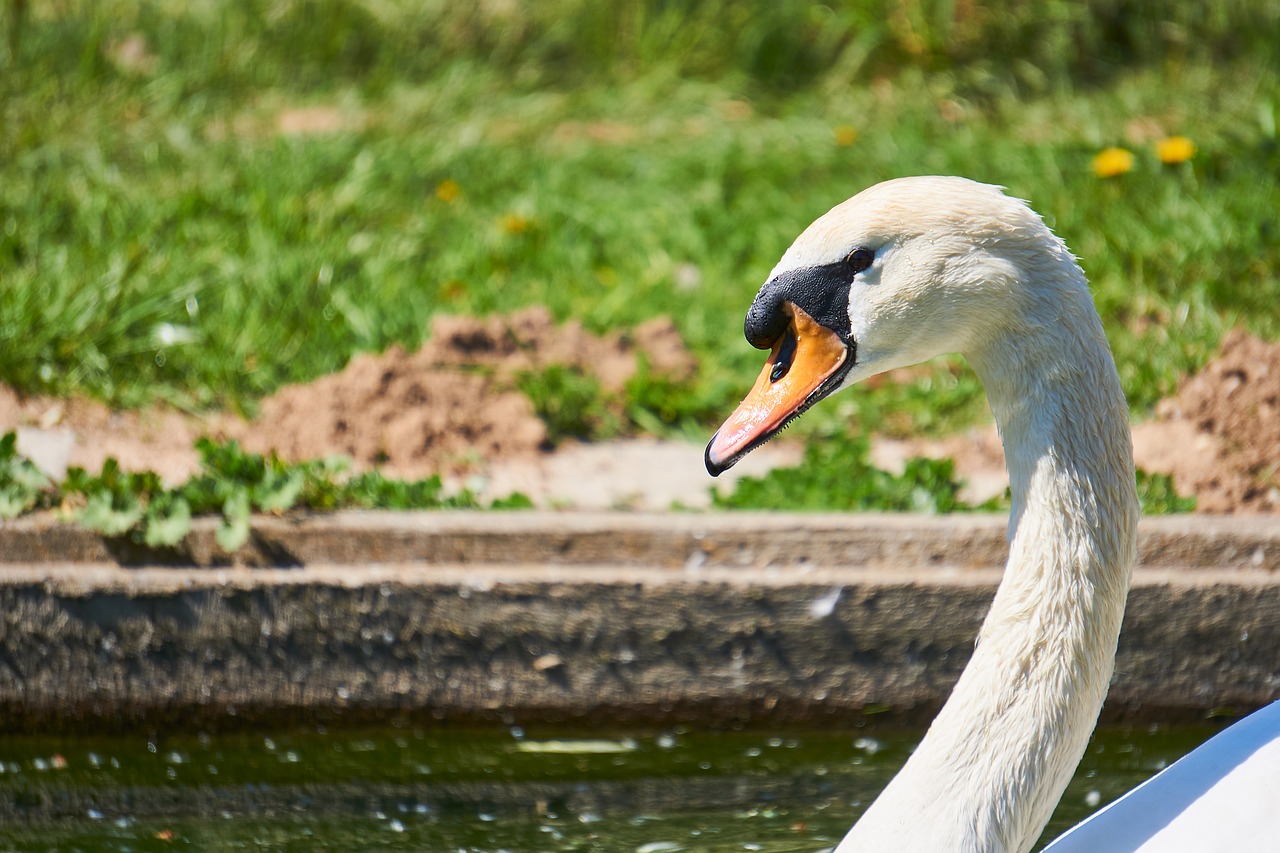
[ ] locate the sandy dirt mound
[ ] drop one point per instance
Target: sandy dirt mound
(397, 410)
(452, 404)
(1219, 436)
(1221, 432)
(531, 340)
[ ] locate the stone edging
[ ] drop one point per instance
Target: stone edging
(538, 616)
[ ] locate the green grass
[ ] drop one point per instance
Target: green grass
(838, 475)
(570, 403)
(161, 239)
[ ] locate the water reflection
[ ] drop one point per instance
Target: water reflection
(486, 791)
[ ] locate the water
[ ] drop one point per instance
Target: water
(486, 791)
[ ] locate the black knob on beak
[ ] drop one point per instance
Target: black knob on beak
(766, 321)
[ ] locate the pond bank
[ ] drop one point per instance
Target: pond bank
(589, 618)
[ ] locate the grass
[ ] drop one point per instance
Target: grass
(164, 237)
(838, 476)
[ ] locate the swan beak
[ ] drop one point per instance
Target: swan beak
(805, 364)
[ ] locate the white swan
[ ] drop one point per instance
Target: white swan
(907, 270)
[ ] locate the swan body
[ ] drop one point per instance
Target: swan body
(1222, 796)
(907, 270)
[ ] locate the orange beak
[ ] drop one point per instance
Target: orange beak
(800, 371)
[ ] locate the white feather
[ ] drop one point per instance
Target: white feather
(961, 267)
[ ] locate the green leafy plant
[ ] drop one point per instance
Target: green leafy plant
(231, 483)
(22, 484)
(235, 483)
(371, 490)
(166, 521)
(1158, 496)
(113, 501)
(836, 474)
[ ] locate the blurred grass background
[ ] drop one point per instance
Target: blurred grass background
(201, 201)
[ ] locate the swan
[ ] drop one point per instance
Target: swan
(913, 268)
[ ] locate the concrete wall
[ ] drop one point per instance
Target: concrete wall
(525, 616)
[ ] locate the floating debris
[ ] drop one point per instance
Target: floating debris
(576, 747)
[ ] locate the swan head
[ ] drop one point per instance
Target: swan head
(904, 271)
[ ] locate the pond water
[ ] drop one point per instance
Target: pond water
(485, 791)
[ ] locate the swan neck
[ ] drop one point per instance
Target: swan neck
(996, 759)
(1046, 651)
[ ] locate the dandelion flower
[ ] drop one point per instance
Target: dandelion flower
(514, 223)
(846, 135)
(448, 190)
(1111, 162)
(1175, 149)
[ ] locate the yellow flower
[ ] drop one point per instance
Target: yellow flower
(846, 134)
(1111, 162)
(514, 223)
(1175, 149)
(448, 190)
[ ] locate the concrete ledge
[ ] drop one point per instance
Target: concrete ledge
(664, 539)
(551, 617)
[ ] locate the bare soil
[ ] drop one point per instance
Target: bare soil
(1218, 436)
(56, 433)
(453, 407)
(453, 404)
(1235, 402)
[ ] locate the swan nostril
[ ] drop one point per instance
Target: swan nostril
(786, 354)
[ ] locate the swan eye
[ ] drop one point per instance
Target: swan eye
(859, 259)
